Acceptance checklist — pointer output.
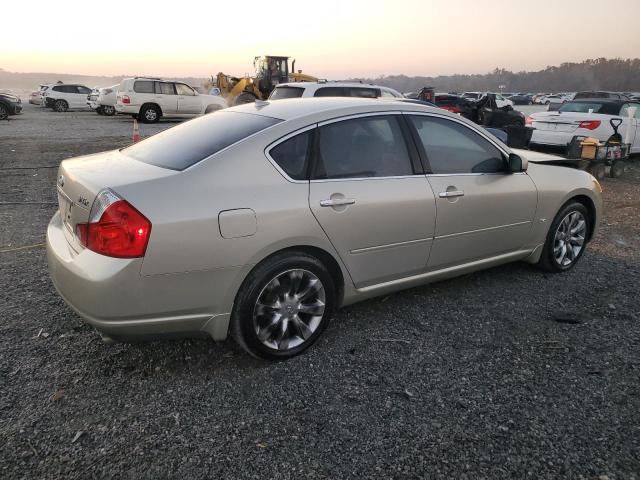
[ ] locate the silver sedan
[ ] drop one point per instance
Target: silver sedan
(260, 220)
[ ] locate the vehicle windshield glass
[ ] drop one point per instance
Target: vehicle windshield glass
(581, 107)
(286, 92)
(191, 142)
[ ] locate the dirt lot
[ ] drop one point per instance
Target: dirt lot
(507, 373)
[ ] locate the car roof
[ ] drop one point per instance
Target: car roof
(288, 109)
(321, 84)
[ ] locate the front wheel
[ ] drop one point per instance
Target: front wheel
(244, 98)
(4, 112)
(108, 110)
(566, 239)
(283, 306)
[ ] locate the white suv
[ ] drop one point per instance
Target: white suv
(331, 89)
(64, 97)
(150, 99)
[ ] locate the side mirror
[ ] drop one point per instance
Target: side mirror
(517, 163)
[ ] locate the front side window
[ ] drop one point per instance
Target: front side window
(362, 147)
(143, 86)
(191, 142)
(292, 154)
(454, 148)
(183, 89)
(84, 90)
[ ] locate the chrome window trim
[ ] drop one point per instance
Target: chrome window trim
(360, 179)
(358, 115)
(272, 145)
(472, 174)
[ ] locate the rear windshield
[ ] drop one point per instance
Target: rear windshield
(595, 107)
(286, 92)
(191, 142)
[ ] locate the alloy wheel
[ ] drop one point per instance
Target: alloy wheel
(289, 309)
(569, 238)
(150, 114)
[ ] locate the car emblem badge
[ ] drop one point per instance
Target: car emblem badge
(61, 181)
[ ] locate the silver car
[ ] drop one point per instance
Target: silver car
(260, 220)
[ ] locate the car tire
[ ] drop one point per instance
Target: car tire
(283, 306)
(108, 110)
(566, 239)
(99, 111)
(149, 113)
(4, 112)
(60, 106)
(617, 169)
(598, 170)
(243, 98)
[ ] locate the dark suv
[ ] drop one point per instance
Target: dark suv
(9, 105)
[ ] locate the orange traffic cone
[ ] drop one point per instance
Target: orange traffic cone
(136, 132)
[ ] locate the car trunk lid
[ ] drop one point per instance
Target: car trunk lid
(81, 179)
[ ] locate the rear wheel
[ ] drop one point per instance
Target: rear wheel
(108, 110)
(244, 98)
(283, 306)
(566, 239)
(598, 170)
(4, 112)
(60, 106)
(617, 169)
(149, 114)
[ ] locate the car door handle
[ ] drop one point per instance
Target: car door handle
(451, 193)
(337, 202)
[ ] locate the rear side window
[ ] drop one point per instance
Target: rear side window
(454, 148)
(364, 92)
(292, 155)
(362, 147)
(166, 88)
(143, 86)
(286, 92)
(332, 92)
(191, 142)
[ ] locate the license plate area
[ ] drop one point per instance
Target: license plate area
(66, 206)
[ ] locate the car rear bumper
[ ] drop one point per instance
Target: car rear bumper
(551, 137)
(127, 109)
(112, 295)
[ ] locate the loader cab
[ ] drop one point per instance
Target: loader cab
(271, 71)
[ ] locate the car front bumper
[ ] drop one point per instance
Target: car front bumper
(114, 297)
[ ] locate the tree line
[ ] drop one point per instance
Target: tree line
(616, 74)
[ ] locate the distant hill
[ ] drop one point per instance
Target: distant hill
(597, 74)
(31, 81)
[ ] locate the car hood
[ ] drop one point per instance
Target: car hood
(537, 157)
(8, 96)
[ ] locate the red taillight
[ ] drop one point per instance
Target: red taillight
(589, 124)
(126, 99)
(528, 121)
(121, 231)
(451, 108)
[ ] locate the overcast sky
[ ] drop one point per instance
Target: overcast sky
(329, 38)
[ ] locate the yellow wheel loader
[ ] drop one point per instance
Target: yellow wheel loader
(270, 71)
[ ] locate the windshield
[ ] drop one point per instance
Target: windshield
(191, 142)
(286, 92)
(582, 107)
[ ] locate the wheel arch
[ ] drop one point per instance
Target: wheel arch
(325, 257)
(145, 104)
(591, 208)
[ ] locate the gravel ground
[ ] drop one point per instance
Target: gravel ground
(506, 373)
